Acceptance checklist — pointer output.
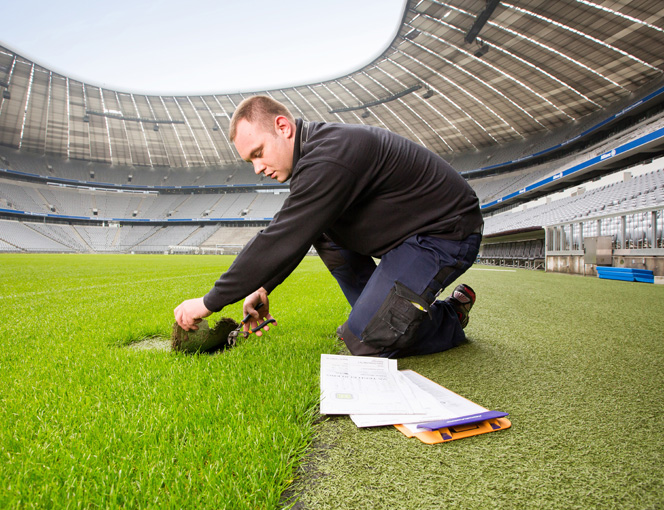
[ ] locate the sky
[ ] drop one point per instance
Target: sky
(182, 47)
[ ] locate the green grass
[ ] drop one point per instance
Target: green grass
(577, 362)
(89, 423)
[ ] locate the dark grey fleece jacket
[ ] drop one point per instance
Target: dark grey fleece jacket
(367, 188)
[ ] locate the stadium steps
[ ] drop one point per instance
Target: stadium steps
(134, 236)
(59, 233)
(50, 201)
(54, 243)
(134, 204)
(203, 235)
(93, 200)
(79, 237)
(139, 207)
(225, 236)
(17, 248)
(145, 240)
(183, 206)
(190, 236)
(217, 205)
(116, 238)
(250, 206)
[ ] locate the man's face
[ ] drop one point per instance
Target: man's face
(270, 151)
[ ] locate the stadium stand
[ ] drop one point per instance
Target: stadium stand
(528, 254)
(627, 207)
(636, 193)
(608, 196)
(7, 248)
(72, 179)
(229, 240)
(63, 234)
(490, 188)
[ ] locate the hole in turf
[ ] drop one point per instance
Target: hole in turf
(204, 340)
(152, 343)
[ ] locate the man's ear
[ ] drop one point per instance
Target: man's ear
(282, 125)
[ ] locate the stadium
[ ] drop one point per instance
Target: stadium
(553, 112)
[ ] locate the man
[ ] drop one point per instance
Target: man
(356, 192)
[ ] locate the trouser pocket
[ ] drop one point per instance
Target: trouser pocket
(396, 321)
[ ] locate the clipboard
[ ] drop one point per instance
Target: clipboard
(443, 431)
(446, 434)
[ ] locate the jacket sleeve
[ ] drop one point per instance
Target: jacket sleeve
(319, 194)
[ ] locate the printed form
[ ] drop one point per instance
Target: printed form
(364, 385)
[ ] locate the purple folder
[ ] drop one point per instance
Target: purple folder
(462, 420)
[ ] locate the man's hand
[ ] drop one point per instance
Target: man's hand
(190, 312)
(257, 316)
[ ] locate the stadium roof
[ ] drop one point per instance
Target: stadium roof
(460, 76)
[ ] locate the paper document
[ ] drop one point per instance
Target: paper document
(450, 405)
(374, 393)
(365, 385)
(438, 403)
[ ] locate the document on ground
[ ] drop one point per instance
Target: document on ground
(437, 402)
(364, 385)
(451, 404)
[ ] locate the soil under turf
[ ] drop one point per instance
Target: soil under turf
(155, 343)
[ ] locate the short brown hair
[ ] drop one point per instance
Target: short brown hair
(261, 109)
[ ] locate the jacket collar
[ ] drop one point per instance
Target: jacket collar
(301, 136)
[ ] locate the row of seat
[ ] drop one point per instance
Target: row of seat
(639, 192)
(529, 254)
(16, 236)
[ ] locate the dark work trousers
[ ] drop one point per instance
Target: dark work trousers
(414, 264)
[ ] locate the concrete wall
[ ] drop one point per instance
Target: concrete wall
(575, 264)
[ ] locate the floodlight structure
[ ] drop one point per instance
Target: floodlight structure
(481, 20)
(483, 49)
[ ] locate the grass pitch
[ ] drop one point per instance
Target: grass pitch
(87, 422)
(577, 362)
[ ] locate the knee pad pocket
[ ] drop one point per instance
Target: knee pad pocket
(397, 320)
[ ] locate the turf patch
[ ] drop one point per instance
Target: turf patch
(205, 338)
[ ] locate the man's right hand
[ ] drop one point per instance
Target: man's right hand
(257, 316)
(190, 312)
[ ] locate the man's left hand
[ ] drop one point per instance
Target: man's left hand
(191, 312)
(250, 308)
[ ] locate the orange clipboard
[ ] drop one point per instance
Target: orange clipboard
(460, 431)
(447, 434)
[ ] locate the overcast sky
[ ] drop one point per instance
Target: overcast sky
(200, 46)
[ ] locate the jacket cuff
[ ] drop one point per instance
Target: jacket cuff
(211, 301)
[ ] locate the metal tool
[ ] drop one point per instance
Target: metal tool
(232, 336)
